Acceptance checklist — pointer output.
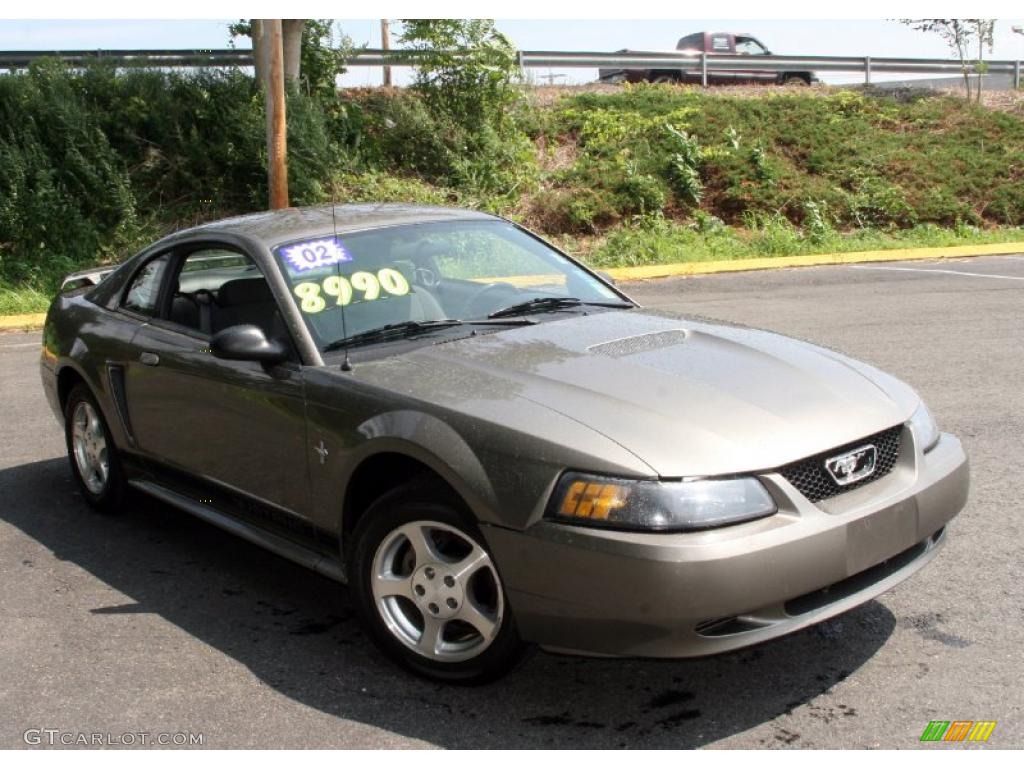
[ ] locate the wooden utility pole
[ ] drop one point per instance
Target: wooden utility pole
(277, 127)
(385, 44)
(291, 35)
(259, 52)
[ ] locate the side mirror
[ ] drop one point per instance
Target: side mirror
(247, 342)
(606, 277)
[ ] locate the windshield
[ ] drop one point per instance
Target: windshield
(461, 270)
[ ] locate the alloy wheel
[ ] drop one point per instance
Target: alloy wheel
(437, 591)
(89, 446)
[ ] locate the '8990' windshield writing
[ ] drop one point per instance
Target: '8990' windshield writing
(340, 290)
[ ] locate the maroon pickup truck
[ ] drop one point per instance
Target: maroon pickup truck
(718, 43)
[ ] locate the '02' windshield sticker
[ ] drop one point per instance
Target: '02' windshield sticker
(313, 254)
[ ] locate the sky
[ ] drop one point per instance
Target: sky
(858, 37)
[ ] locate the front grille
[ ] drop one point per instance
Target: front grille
(810, 477)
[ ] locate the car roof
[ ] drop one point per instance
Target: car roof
(276, 227)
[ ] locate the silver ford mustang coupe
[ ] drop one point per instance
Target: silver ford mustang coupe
(491, 443)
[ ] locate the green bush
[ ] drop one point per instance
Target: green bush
(466, 70)
(65, 193)
(400, 133)
(95, 163)
(639, 193)
(684, 166)
(576, 211)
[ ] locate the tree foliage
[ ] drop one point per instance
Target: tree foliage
(466, 68)
(324, 50)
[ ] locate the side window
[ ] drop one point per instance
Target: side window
(217, 288)
(144, 290)
(750, 47)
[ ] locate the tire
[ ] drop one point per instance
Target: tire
(92, 453)
(414, 601)
(795, 80)
(671, 79)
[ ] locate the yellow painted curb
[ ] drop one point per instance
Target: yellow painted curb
(30, 322)
(812, 260)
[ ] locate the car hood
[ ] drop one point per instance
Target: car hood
(686, 397)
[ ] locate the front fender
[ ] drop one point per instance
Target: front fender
(431, 441)
(405, 432)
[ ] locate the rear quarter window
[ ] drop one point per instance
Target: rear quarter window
(144, 289)
(694, 41)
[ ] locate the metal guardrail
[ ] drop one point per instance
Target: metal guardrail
(199, 57)
(692, 63)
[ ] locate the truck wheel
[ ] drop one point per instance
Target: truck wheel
(795, 80)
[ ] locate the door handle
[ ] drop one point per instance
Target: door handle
(149, 358)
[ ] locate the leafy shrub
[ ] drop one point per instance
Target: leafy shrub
(684, 166)
(377, 187)
(186, 137)
(89, 159)
(816, 221)
(65, 195)
(875, 202)
(639, 193)
(579, 211)
(496, 167)
(401, 133)
(466, 69)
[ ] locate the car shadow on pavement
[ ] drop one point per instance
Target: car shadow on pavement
(297, 632)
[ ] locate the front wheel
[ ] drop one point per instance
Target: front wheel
(427, 589)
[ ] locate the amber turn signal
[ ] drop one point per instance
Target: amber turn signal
(593, 500)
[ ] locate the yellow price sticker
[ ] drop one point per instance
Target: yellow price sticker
(386, 282)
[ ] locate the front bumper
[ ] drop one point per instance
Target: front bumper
(674, 595)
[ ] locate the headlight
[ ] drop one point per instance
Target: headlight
(926, 431)
(646, 505)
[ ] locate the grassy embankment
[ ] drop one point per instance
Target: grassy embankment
(94, 165)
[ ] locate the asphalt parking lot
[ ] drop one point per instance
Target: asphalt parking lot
(155, 622)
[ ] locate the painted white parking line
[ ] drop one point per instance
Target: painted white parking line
(943, 272)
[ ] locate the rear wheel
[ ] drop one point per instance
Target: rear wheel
(665, 79)
(795, 80)
(94, 459)
(428, 590)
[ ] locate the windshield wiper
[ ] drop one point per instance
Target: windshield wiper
(550, 303)
(409, 328)
(402, 330)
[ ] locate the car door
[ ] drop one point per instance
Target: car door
(751, 47)
(236, 424)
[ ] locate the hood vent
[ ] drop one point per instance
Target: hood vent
(634, 345)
